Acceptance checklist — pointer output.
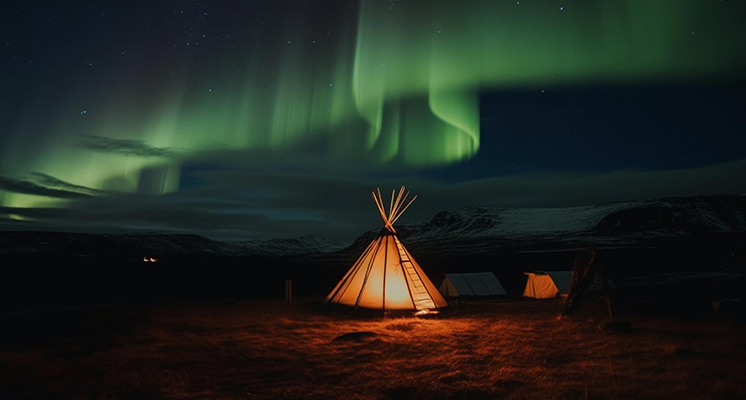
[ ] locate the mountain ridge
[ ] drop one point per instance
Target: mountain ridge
(465, 230)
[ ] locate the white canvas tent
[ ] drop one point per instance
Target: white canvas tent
(546, 285)
(386, 276)
(474, 284)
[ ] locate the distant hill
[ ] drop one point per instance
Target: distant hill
(479, 229)
(702, 239)
(135, 247)
(304, 245)
(471, 230)
(124, 247)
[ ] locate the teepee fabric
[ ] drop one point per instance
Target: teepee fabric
(386, 276)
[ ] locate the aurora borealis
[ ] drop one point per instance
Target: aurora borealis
(145, 102)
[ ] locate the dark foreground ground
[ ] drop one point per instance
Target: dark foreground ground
(500, 349)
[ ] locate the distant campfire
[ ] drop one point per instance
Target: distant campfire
(149, 259)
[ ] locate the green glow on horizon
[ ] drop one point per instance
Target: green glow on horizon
(402, 86)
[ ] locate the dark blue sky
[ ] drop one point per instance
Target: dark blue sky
(606, 128)
(191, 116)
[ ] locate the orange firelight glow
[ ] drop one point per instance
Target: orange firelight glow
(386, 276)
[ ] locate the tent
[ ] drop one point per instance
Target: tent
(476, 284)
(386, 277)
(546, 285)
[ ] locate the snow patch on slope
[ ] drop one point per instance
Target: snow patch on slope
(304, 245)
(479, 229)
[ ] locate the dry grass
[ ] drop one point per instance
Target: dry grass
(512, 349)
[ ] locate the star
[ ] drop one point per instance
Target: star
(562, 8)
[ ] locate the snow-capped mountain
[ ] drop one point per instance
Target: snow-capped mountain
(134, 247)
(304, 245)
(474, 230)
(124, 245)
(477, 229)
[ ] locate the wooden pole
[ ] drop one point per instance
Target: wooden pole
(380, 209)
(391, 205)
(380, 200)
(386, 219)
(405, 209)
(401, 203)
(288, 291)
(403, 200)
(398, 198)
(607, 292)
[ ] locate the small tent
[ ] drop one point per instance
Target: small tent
(386, 277)
(475, 284)
(546, 285)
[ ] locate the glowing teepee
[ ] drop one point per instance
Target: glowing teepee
(386, 276)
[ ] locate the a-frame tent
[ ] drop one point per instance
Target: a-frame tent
(386, 277)
(547, 284)
(477, 284)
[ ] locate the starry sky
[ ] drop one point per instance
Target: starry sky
(275, 118)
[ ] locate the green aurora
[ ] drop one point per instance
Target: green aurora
(401, 87)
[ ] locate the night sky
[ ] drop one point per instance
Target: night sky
(260, 119)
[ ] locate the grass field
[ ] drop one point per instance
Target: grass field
(511, 349)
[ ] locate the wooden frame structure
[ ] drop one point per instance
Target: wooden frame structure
(386, 276)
